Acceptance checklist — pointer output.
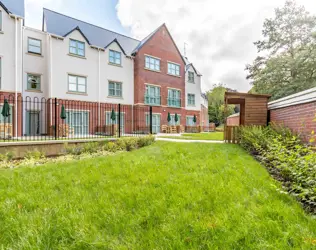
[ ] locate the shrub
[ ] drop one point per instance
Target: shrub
(35, 154)
(145, 141)
(287, 159)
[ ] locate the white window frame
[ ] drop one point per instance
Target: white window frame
(189, 79)
(115, 89)
(77, 77)
(190, 100)
(151, 60)
(173, 69)
(28, 46)
(115, 53)
(38, 83)
(77, 47)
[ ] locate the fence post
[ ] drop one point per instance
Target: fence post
(119, 120)
(55, 118)
(151, 120)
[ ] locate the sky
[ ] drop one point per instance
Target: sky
(219, 35)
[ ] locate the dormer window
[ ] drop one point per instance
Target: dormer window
(115, 57)
(191, 77)
(77, 48)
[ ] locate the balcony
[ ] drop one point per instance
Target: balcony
(174, 102)
(152, 100)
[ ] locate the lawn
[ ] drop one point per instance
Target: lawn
(213, 136)
(165, 196)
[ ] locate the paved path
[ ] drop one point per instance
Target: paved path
(180, 140)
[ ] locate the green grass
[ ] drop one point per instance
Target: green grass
(212, 136)
(165, 196)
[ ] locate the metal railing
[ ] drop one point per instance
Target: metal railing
(34, 119)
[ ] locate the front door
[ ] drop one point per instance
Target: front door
(33, 123)
(78, 121)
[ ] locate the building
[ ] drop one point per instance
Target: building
(88, 69)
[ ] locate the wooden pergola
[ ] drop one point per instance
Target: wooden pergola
(253, 111)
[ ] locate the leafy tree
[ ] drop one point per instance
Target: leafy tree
(287, 55)
(216, 104)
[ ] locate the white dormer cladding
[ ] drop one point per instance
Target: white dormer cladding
(192, 88)
(93, 66)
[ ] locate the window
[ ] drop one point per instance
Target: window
(191, 99)
(76, 48)
(79, 121)
(173, 122)
(33, 82)
(152, 95)
(174, 99)
(189, 121)
(152, 63)
(191, 77)
(34, 46)
(115, 57)
(77, 84)
(0, 20)
(173, 69)
(115, 89)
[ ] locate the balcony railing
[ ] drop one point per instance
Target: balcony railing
(152, 100)
(174, 102)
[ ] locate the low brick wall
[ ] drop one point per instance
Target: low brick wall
(233, 120)
(296, 112)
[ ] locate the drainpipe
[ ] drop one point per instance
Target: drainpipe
(99, 89)
(50, 74)
(16, 78)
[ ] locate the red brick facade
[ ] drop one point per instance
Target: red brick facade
(161, 45)
(298, 118)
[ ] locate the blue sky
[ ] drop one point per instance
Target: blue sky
(98, 12)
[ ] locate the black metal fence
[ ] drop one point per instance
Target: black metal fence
(33, 118)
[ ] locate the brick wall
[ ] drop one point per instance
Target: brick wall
(233, 121)
(298, 118)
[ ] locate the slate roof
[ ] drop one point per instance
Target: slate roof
(61, 25)
(188, 65)
(15, 7)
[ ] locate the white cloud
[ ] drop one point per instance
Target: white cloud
(219, 34)
(34, 11)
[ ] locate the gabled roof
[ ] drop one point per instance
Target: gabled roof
(147, 38)
(15, 7)
(115, 41)
(77, 28)
(60, 25)
(188, 65)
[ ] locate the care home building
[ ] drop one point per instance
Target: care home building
(77, 63)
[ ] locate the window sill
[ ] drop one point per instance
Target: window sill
(191, 82)
(76, 93)
(34, 90)
(73, 55)
(34, 54)
(174, 107)
(191, 106)
(173, 75)
(151, 104)
(116, 65)
(157, 71)
(115, 97)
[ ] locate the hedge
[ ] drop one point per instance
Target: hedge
(286, 158)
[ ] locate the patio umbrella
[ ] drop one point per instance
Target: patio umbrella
(63, 115)
(169, 117)
(176, 118)
(5, 109)
(194, 119)
(113, 116)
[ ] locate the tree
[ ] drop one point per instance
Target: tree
(286, 63)
(217, 105)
